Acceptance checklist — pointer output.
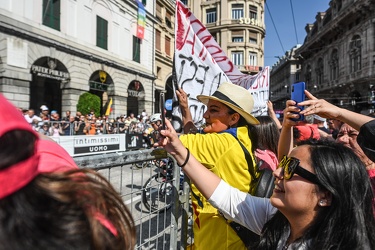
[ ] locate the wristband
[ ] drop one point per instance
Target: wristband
(187, 159)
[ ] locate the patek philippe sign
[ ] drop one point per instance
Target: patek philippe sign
(49, 73)
(135, 93)
(136, 89)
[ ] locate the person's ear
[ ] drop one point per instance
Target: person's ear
(325, 199)
(234, 119)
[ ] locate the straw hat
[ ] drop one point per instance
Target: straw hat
(236, 98)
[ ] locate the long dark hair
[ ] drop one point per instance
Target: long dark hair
(348, 223)
(267, 134)
(251, 129)
(60, 210)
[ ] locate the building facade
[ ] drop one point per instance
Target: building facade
(338, 55)
(53, 51)
(238, 27)
(286, 71)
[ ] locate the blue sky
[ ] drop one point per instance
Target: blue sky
(281, 12)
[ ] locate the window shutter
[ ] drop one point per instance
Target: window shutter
(158, 40)
(168, 46)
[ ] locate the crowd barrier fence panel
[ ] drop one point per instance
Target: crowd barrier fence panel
(155, 230)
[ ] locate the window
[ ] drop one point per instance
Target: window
(237, 36)
(136, 49)
(158, 40)
(355, 54)
(237, 58)
(184, 2)
(253, 59)
(168, 18)
(211, 15)
(168, 46)
(253, 41)
(158, 11)
(144, 2)
(101, 32)
(334, 65)
(319, 72)
(51, 14)
(237, 11)
(237, 39)
(253, 38)
(253, 12)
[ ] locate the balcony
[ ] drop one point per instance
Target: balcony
(249, 68)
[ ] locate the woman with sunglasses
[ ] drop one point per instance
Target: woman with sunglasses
(317, 203)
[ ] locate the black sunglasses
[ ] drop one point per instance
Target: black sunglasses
(291, 166)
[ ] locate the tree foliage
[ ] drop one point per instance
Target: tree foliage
(88, 102)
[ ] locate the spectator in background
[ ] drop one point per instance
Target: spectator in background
(141, 125)
(272, 114)
(334, 126)
(92, 113)
(90, 126)
(46, 202)
(132, 118)
(98, 127)
(111, 127)
(55, 116)
(67, 116)
(305, 131)
(77, 118)
(79, 126)
(68, 127)
(56, 130)
(267, 134)
(318, 120)
(127, 122)
(44, 130)
(121, 125)
(144, 115)
(36, 125)
(45, 111)
(30, 116)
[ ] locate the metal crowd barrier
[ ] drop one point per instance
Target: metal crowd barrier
(155, 230)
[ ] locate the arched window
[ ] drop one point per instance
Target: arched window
(355, 53)
(319, 72)
(334, 65)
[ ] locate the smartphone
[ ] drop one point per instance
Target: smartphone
(298, 95)
(162, 103)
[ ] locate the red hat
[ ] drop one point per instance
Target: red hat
(308, 131)
(17, 176)
(48, 156)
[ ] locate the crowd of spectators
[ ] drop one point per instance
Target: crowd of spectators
(52, 124)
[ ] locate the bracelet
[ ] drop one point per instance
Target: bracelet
(187, 159)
